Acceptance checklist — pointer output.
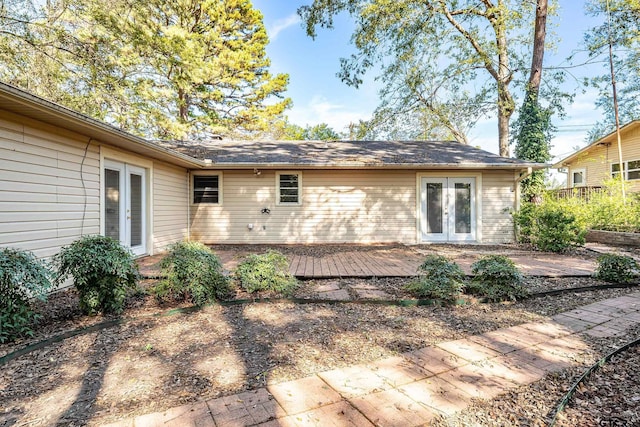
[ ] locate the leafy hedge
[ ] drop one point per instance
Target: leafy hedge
(438, 278)
(23, 278)
(102, 270)
(266, 272)
(192, 272)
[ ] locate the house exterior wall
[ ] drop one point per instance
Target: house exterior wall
(498, 201)
(338, 206)
(50, 189)
(597, 161)
(170, 205)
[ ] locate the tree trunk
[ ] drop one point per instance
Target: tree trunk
(506, 104)
(540, 33)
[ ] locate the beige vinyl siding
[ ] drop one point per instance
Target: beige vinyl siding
(170, 205)
(498, 200)
(336, 206)
(597, 161)
(45, 200)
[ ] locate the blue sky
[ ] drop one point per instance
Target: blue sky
(319, 96)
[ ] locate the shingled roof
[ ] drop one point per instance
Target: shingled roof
(346, 154)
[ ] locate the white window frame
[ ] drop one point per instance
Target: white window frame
(626, 170)
(582, 171)
(278, 201)
(220, 187)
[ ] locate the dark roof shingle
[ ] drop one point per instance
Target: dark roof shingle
(345, 154)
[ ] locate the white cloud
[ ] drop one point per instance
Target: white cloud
(282, 24)
(321, 110)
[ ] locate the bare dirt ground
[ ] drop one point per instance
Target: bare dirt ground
(149, 363)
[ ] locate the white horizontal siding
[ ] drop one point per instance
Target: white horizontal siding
(49, 187)
(170, 205)
(337, 206)
(498, 201)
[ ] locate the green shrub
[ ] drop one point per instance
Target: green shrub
(438, 278)
(616, 268)
(266, 272)
(23, 278)
(496, 278)
(102, 272)
(192, 272)
(549, 227)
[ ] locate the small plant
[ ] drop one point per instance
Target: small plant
(616, 268)
(438, 278)
(23, 278)
(102, 270)
(266, 272)
(192, 272)
(496, 278)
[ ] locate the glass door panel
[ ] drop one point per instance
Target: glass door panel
(448, 209)
(112, 203)
(434, 207)
(125, 205)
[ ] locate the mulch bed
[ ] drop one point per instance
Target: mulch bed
(150, 363)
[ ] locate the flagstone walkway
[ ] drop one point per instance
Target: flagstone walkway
(415, 387)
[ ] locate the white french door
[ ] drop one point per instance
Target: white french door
(125, 205)
(448, 209)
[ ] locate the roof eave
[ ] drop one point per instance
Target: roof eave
(603, 140)
(359, 165)
(26, 104)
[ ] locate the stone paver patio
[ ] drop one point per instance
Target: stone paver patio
(413, 388)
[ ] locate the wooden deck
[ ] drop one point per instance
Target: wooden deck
(355, 264)
(387, 262)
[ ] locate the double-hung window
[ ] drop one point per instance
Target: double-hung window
(207, 189)
(288, 188)
(631, 169)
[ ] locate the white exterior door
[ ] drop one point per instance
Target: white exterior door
(125, 205)
(448, 208)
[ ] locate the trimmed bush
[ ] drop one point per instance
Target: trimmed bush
(23, 278)
(192, 272)
(496, 278)
(266, 272)
(616, 268)
(102, 270)
(438, 278)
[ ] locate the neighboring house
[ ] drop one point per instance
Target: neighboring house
(599, 161)
(63, 175)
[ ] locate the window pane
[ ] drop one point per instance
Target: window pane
(463, 208)
(633, 174)
(633, 165)
(577, 178)
(112, 203)
(615, 167)
(289, 190)
(136, 210)
(434, 207)
(206, 189)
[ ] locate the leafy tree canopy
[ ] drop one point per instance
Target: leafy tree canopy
(177, 69)
(450, 61)
(624, 34)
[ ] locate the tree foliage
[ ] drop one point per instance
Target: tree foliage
(624, 34)
(533, 133)
(481, 42)
(161, 69)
